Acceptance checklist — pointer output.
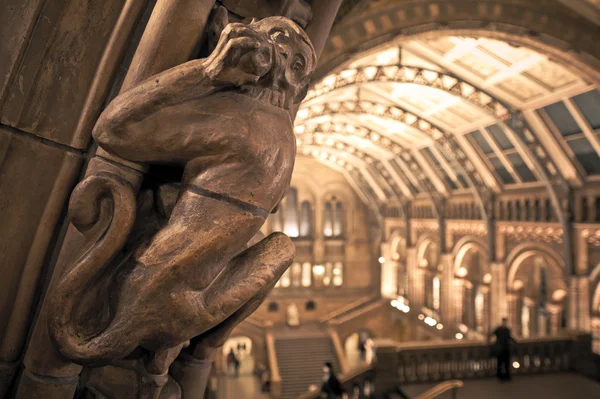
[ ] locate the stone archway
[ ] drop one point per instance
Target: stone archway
(537, 290)
(428, 266)
(473, 278)
(545, 26)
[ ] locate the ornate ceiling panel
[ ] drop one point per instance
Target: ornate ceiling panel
(374, 115)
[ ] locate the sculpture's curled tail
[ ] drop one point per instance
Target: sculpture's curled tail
(104, 205)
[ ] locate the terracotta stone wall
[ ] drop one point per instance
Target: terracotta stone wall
(49, 98)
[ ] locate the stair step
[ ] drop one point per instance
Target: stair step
(301, 360)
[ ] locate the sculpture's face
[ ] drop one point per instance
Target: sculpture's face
(294, 56)
(279, 54)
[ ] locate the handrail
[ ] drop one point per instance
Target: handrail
(441, 388)
(273, 365)
(339, 350)
(359, 312)
(455, 343)
(344, 379)
(346, 308)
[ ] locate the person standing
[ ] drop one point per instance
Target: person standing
(331, 388)
(501, 349)
(232, 361)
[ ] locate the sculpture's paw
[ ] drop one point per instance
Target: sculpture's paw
(242, 56)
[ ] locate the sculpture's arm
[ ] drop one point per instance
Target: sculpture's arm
(130, 126)
(143, 124)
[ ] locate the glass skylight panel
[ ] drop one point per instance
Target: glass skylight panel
(562, 118)
(502, 172)
(481, 142)
(586, 155)
(521, 167)
(448, 180)
(589, 104)
(432, 157)
(500, 137)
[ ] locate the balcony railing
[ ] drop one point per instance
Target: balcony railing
(433, 361)
(358, 384)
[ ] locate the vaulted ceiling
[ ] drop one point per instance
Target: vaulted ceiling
(450, 114)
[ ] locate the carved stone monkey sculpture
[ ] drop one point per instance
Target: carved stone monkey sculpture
(226, 118)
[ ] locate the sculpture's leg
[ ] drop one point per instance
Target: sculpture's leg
(192, 370)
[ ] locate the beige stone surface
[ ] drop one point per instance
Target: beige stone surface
(35, 181)
(49, 88)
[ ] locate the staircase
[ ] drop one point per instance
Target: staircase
(301, 353)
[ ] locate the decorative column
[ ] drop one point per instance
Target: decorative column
(415, 279)
(389, 272)
(498, 298)
(485, 290)
(468, 314)
(573, 301)
(319, 241)
(554, 316)
(448, 311)
(583, 304)
(513, 314)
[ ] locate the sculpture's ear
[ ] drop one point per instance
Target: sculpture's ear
(302, 92)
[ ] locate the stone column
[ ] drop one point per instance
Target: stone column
(486, 309)
(415, 279)
(44, 136)
(448, 305)
(469, 306)
(319, 241)
(389, 272)
(574, 302)
(554, 316)
(498, 303)
(583, 304)
(513, 313)
(170, 38)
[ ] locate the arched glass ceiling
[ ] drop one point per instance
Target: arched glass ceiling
(441, 115)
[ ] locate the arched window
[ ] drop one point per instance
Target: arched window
(306, 219)
(338, 222)
(306, 274)
(310, 306)
(328, 220)
(273, 307)
(291, 213)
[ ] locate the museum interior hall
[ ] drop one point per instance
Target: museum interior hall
(156, 244)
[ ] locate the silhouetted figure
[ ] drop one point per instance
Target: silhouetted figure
(331, 388)
(236, 364)
(233, 363)
(501, 349)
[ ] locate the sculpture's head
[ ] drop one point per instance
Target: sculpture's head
(276, 57)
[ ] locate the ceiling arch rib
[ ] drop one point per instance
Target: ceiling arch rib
(364, 193)
(411, 167)
(370, 161)
(403, 157)
(400, 114)
(527, 142)
(511, 120)
(354, 160)
(414, 75)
